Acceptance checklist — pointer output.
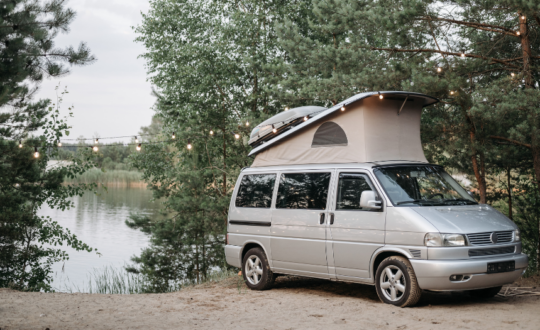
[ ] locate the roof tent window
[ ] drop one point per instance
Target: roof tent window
(329, 134)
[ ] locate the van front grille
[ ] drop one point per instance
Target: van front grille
(486, 238)
(491, 251)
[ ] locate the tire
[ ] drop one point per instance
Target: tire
(256, 270)
(401, 288)
(485, 293)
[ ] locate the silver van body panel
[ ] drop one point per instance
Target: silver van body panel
(296, 243)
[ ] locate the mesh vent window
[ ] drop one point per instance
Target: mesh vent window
(329, 134)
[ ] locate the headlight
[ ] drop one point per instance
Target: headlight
(517, 236)
(436, 239)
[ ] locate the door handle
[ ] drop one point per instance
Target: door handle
(331, 218)
(321, 218)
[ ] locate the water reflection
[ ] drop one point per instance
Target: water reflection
(99, 221)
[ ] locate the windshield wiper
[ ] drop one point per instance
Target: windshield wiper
(418, 201)
(468, 201)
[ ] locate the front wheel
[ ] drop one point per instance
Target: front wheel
(396, 282)
(256, 270)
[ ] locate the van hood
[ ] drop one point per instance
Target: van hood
(465, 219)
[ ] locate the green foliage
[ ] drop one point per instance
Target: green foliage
(30, 244)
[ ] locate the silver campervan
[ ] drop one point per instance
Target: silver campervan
(346, 194)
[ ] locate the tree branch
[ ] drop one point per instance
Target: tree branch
(510, 140)
(481, 26)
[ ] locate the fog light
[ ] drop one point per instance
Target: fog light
(455, 278)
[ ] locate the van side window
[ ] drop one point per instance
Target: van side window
(350, 188)
(303, 191)
(256, 191)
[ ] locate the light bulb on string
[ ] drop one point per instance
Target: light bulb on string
(174, 135)
(20, 144)
(451, 92)
(380, 96)
(189, 146)
(96, 141)
(236, 136)
(286, 108)
(439, 69)
(522, 16)
(211, 132)
(343, 108)
(518, 33)
(512, 74)
(274, 130)
(462, 53)
(247, 123)
(136, 139)
(59, 143)
(36, 153)
(138, 147)
(95, 148)
(305, 118)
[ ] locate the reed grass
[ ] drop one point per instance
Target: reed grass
(110, 178)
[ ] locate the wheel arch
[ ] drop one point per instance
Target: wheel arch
(384, 253)
(250, 245)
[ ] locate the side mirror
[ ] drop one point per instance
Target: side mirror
(368, 201)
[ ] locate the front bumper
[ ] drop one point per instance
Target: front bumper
(435, 274)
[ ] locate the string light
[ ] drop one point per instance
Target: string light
(451, 92)
(380, 96)
(305, 118)
(138, 147)
(189, 146)
(439, 69)
(522, 16)
(462, 53)
(342, 108)
(96, 141)
(247, 123)
(274, 129)
(95, 148)
(286, 108)
(512, 74)
(211, 132)
(174, 135)
(36, 153)
(518, 33)
(136, 139)
(236, 136)
(59, 143)
(20, 144)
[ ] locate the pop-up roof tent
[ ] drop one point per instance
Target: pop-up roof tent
(368, 127)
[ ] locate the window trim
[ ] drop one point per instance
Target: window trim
(371, 183)
(251, 207)
(329, 145)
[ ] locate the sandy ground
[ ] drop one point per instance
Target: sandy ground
(294, 303)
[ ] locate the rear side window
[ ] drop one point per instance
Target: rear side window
(303, 191)
(256, 191)
(350, 188)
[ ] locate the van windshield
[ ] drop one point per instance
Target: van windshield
(421, 186)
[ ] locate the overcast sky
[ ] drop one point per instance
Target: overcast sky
(110, 97)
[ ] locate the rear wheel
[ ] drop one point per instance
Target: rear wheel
(485, 293)
(396, 282)
(256, 270)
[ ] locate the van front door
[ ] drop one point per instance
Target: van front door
(299, 224)
(355, 232)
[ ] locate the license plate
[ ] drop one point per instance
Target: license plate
(501, 267)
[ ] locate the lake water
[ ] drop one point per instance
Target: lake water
(99, 221)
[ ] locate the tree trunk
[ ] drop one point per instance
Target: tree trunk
(526, 50)
(509, 183)
(480, 175)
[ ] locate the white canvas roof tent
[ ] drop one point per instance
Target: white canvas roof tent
(368, 129)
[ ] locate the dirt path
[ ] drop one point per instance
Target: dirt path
(293, 304)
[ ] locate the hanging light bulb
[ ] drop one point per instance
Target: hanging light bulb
(462, 53)
(274, 130)
(342, 108)
(522, 16)
(236, 136)
(96, 141)
(518, 33)
(512, 74)
(138, 147)
(247, 123)
(451, 92)
(305, 118)
(189, 146)
(211, 132)
(380, 96)
(20, 144)
(136, 139)
(174, 135)
(439, 69)
(36, 153)
(286, 108)
(59, 143)
(95, 148)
